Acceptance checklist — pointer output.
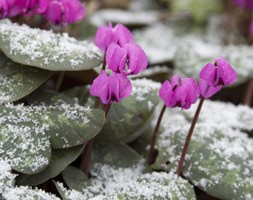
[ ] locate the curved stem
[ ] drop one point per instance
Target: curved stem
(249, 93)
(104, 63)
(150, 159)
(188, 138)
(86, 155)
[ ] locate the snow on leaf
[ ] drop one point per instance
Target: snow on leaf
(127, 184)
(159, 49)
(126, 178)
(27, 133)
(61, 158)
(237, 117)
(16, 81)
(6, 177)
(219, 159)
(45, 49)
(23, 139)
(124, 17)
(193, 54)
(24, 192)
(9, 192)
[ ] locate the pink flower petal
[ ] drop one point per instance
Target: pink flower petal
(226, 73)
(208, 73)
(116, 58)
(207, 90)
(124, 35)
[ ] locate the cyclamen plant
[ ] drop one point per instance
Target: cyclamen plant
(246, 4)
(122, 62)
(56, 11)
(92, 135)
(185, 91)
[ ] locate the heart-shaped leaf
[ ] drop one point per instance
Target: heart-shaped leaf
(219, 158)
(17, 81)
(27, 133)
(45, 49)
(63, 132)
(61, 158)
(23, 139)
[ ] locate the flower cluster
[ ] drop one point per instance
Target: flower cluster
(246, 4)
(123, 58)
(183, 92)
(56, 11)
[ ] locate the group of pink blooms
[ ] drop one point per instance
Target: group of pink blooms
(124, 58)
(55, 11)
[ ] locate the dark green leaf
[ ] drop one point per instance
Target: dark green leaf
(17, 80)
(119, 155)
(61, 158)
(63, 131)
(75, 178)
(45, 49)
(219, 159)
(27, 133)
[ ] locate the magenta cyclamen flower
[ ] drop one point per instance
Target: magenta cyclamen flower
(129, 59)
(106, 35)
(246, 4)
(213, 77)
(111, 88)
(3, 9)
(64, 11)
(180, 92)
(10, 8)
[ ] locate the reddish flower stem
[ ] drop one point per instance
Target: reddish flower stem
(188, 138)
(104, 63)
(249, 93)
(150, 159)
(86, 156)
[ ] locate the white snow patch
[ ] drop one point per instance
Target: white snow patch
(131, 183)
(142, 87)
(45, 45)
(124, 17)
